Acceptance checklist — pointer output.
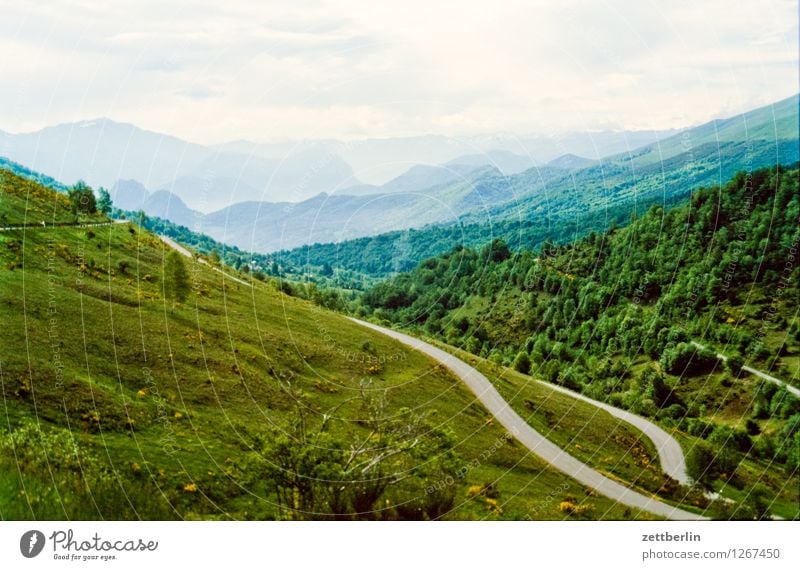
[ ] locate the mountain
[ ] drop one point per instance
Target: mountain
(210, 193)
(411, 200)
(129, 195)
(122, 401)
(571, 162)
(615, 315)
(102, 151)
(552, 203)
(418, 178)
(377, 161)
(169, 206)
(268, 226)
(505, 161)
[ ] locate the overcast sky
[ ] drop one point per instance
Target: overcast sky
(268, 70)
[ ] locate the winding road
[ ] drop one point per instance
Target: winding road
(185, 252)
(544, 448)
(669, 451)
(670, 454)
(791, 389)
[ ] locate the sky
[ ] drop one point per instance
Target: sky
(310, 69)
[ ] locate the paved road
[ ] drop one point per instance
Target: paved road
(791, 389)
(45, 226)
(533, 440)
(670, 454)
(183, 251)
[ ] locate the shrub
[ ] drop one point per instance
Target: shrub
(522, 363)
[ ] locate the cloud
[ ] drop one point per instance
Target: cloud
(213, 71)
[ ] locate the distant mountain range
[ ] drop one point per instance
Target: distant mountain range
(270, 197)
(102, 151)
(563, 203)
(209, 178)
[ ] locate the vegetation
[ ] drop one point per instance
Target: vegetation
(117, 407)
(82, 199)
(27, 173)
(616, 315)
(104, 203)
(176, 278)
(544, 204)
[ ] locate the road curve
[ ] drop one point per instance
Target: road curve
(186, 253)
(670, 454)
(791, 389)
(530, 438)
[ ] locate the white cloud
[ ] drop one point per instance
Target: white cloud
(213, 71)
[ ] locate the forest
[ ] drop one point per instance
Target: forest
(621, 315)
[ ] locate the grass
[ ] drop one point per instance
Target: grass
(117, 406)
(605, 443)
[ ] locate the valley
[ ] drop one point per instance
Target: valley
(118, 404)
(590, 339)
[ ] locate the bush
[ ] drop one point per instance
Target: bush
(700, 462)
(655, 387)
(522, 363)
(686, 359)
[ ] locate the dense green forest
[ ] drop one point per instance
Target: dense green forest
(532, 207)
(615, 315)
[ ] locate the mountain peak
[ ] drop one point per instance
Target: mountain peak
(571, 161)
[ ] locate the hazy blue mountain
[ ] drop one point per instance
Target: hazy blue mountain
(103, 151)
(523, 205)
(418, 178)
(129, 195)
(377, 161)
(269, 226)
(554, 203)
(169, 206)
(590, 144)
(210, 193)
(421, 177)
(571, 162)
(505, 161)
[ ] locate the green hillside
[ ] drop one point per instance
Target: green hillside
(561, 205)
(614, 315)
(25, 172)
(137, 384)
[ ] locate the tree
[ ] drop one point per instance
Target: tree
(380, 472)
(213, 257)
(522, 363)
(687, 359)
(82, 199)
(104, 202)
(176, 278)
(654, 385)
(734, 364)
(700, 462)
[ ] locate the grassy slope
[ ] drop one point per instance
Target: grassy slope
(502, 309)
(613, 447)
(727, 402)
(24, 201)
(163, 403)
